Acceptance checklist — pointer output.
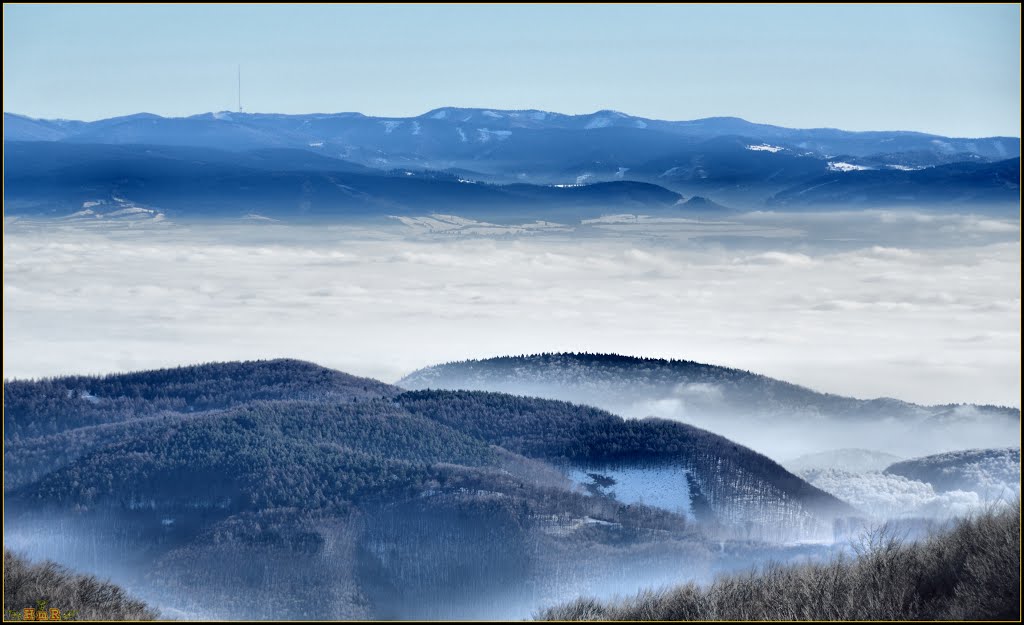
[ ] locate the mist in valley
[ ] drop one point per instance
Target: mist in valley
(450, 571)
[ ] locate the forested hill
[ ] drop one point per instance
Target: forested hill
(561, 432)
(239, 425)
(614, 381)
(993, 472)
(49, 406)
(396, 504)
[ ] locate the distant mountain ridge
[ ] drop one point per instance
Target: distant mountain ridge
(57, 179)
(233, 130)
(604, 377)
(851, 460)
(775, 417)
(730, 160)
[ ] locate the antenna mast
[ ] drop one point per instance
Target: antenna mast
(239, 88)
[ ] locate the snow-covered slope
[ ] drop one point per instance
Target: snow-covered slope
(662, 487)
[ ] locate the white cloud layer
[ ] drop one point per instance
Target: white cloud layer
(921, 307)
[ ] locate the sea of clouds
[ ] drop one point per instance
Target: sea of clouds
(918, 306)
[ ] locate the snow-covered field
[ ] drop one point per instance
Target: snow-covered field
(662, 487)
(841, 166)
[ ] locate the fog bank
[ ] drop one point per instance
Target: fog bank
(921, 307)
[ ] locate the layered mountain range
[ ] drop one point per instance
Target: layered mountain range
(484, 161)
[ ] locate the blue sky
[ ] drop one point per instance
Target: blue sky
(952, 70)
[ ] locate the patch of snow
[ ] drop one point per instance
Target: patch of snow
(613, 219)
(316, 144)
(462, 135)
(440, 114)
(598, 122)
(92, 203)
(485, 134)
(130, 211)
(662, 487)
(622, 172)
(491, 114)
(841, 166)
(764, 147)
(453, 225)
(256, 217)
(904, 167)
(582, 179)
(390, 125)
(408, 221)
(415, 128)
(85, 213)
(640, 123)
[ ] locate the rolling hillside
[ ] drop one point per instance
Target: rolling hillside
(175, 468)
(992, 473)
(770, 415)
